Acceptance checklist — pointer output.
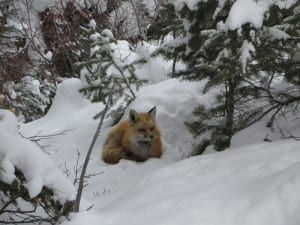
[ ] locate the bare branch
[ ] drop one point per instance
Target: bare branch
(76, 203)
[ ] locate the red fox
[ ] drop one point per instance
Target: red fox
(137, 138)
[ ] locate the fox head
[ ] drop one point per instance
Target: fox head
(142, 126)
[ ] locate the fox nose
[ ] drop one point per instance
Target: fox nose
(151, 137)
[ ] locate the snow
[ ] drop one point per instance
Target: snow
(247, 184)
(93, 24)
(278, 34)
(252, 11)
(48, 55)
(69, 107)
(72, 113)
(41, 5)
(38, 169)
(219, 8)
(285, 4)
(247, 11)
(241, 12)
(179, 4)
(108, 33)
(246, 50)
(253, 182)
(32, 85)
(7, 86)
(155, 70)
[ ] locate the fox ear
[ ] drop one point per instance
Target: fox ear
(133, 116)
(152, 113)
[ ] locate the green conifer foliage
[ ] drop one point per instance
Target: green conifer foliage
(164, 23)
(243, 64)
(18, 208)
(25, 84)
(105, 72)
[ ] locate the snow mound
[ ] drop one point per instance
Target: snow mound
(38, 169)
(257, 184)
(69, 123)
(68, 106)
(175, 100)
(71, 112)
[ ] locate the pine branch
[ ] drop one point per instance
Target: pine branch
(123, 76)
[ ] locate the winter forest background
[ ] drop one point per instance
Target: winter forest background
(223, 74)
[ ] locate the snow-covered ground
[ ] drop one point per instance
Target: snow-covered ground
(72, 115)
(257, 184)
(254, 182)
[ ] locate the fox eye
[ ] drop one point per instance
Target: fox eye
(142, 130)
(151, 128)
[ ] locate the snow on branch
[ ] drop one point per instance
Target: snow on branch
(38, 169)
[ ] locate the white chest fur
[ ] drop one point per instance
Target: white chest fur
(141, 149)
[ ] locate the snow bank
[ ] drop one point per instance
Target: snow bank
(69, 123)
(72, 113)
(68, 106)
(175, 100)
(36, 166)
(257, 184)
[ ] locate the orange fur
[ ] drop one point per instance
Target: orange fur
(135, 139)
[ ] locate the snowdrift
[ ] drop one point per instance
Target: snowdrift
(257, 184)
(253, 184)
(39, 170)
(71, 117)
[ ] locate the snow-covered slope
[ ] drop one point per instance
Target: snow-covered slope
(250, 184)
(71, 116)
(257, 184)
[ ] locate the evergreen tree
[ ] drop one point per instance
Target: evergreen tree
(104, 72)
(165, 23)
(25, 86)
(275, 61)
(235, 61)
(18, 208)
(21, 93)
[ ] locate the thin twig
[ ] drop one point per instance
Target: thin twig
(87, 158)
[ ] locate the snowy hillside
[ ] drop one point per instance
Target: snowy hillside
(73, 115)
(255, 184)
(252, 184)
(247, 185)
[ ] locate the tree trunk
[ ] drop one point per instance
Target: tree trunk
(224, 138)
